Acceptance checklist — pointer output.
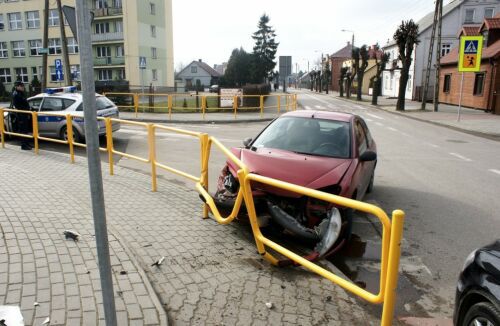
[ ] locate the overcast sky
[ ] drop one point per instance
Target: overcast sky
(210, 30)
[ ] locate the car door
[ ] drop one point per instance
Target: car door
(47, 124)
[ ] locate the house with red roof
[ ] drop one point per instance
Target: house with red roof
(336, 61)
(481, 90)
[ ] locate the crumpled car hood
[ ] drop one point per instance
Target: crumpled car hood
(304, 170)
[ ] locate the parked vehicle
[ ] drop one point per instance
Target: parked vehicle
(65, 100)
(329, 151)
(214, 89)
(477, 300)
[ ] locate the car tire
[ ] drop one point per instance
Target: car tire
(77, 138)
(370, 185)
(482, 312)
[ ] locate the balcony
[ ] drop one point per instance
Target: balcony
(107, 37)
(106, 12)
(109, 61)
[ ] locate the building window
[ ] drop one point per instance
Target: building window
(35, 46)
(119, 26)
(15, 21)
(4, 52)
(101, 28)
(18, 49)
(120, 51)
(469, 15)
(153, 30)
(489, 12)
(386, 82)
(22, 74)
(53, 17)
(32, 19)
(121, 74)
(194, 69)
(72, 45)
(105, 74)
(408, 87)
(153, 53)
(447, 83)
(445, 49)
(1, 23)
(152, 8)
(5, 75)
(117, 3)
(53, 76)
(103, 51)
(75, 72)
(99, 4)
(155, 74)
(478, 84)
(55, 46)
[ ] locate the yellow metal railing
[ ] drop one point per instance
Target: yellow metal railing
(392, 229)
(171, 103)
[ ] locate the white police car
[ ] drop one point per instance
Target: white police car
(65, 100)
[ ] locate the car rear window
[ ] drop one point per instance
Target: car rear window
(101, 102)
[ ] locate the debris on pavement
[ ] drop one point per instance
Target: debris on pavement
(269, 305)
(71, 234)
(158, 262)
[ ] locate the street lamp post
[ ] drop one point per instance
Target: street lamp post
(349, 31)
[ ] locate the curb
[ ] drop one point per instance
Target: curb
(494, 137)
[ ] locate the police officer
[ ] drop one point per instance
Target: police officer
(24, 124)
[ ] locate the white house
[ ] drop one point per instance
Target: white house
(455, 14)
(198, 71)
(392, 73)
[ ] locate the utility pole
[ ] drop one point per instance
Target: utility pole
(45, 44)
(438, 58)
(94, 160)
(64, 44)
(429, 58)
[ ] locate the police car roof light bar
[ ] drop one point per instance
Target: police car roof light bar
(66, 89)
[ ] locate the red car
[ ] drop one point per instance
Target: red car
(329, 151)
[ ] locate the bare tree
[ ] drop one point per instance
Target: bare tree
(360, 57)
(343, 73)
(406, 37)
(376, 80)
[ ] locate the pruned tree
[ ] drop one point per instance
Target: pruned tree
(264, 50)
(360, 57)
(406, 37)
(238, 69)
(312, 76)
(380, 64)
(327, 73)
(349, 76)
(343, 73)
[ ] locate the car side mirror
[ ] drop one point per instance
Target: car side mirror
(368, 156)
(247, 142)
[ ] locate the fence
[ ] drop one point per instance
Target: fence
(204, 104)
(392, 228)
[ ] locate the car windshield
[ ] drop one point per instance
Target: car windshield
(309, 136)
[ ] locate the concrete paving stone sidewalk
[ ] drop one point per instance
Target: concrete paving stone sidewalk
(212, 274)
(37, 263)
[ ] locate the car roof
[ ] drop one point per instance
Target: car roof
(72, 96)
(327, 115)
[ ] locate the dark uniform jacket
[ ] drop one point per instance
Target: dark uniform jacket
(22, 121)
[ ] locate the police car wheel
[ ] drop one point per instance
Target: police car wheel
(76, 135)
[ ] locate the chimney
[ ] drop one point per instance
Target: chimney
(348, 43)
(199, 60)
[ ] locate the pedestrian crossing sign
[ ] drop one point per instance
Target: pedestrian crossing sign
(470, 53)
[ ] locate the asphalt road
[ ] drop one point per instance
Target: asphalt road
(447, 182)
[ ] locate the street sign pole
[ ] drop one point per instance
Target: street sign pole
(142, 80)
(469, 60)
(94, 161)
(460, 98)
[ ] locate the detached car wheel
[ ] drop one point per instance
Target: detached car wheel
(482, 314)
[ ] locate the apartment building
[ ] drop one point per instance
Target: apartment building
(123, 32)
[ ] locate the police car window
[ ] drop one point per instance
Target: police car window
(67, 103)
(103, 103)
(52, 104)
(35, 103)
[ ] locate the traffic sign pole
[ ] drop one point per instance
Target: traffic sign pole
(94, 161)
(460, 98)
(469, 60)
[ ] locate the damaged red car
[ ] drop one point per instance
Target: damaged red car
(328, 151)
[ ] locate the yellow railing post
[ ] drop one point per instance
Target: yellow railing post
(391, 284)
(136, 104)
(279, 103)
(205, 157)
(34, 118)
(203, 106)
(170, 104)
(295, 102)
(69, 129)
(235, 105)
(261, 106)
(152, 154)
(2, 128)
(286, 102)
(109, 144)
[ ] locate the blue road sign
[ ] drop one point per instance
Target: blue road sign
(59, 69)
(142, 62)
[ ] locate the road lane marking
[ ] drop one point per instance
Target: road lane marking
(379, 124)
(405, 134)
(359, 107)
(317, 106)
(461, 157)
(433, 145)
(369, 120)
(495, 171)
(392, 129)
(307, 107)
(375, 116)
